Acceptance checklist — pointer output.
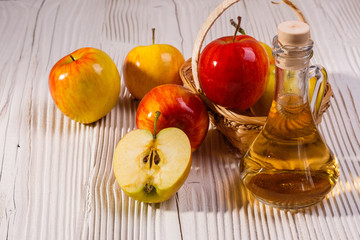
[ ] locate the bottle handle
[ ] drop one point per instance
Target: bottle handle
(317, 76)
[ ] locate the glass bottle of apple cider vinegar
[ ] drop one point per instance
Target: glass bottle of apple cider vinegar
(289, 165)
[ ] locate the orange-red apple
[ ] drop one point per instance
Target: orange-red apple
(85, 84)
(179, 107)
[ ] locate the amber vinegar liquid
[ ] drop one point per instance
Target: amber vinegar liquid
(289, 165)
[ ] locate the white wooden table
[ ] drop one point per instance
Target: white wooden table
(56, 179)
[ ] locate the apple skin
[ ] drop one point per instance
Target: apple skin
(85, 84)
(234, 74)
(262, 106)
(179, 108)
(268, 50)
(146, 67)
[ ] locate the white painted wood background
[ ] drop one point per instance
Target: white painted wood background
(56, 179)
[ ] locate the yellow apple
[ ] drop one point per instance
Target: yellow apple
(146, 67)
(151, 168)
(262, 106)
(268, 50)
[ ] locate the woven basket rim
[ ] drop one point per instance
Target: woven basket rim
(186, 76)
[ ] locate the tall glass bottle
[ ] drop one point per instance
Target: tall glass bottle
(289, 165)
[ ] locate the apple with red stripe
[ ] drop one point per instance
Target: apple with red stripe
(179, 107)
(85, 84)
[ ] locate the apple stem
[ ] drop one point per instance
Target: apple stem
(157, 115)
(153, 35)
(241, 30)
(72, 58)
(153, 155)
(237, 28)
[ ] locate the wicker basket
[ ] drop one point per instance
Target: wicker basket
(239, 129)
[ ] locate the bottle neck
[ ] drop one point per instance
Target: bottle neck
(291, 83)
(291, 75)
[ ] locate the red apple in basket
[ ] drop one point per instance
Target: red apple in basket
(234, 71)
(85, 84)
(179, 108)
(146, 67)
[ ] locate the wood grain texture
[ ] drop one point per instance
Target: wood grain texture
(56, 179)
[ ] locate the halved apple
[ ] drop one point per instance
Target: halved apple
(152, 168)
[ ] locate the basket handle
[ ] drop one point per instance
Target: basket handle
(215, 14)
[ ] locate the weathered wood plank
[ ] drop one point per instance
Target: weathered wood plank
(56, 179)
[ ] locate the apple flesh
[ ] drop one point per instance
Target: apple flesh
(152, 169)
(234, 72)
(179, 107)
(85, 84)
(146, 67)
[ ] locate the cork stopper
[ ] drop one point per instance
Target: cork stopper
(293, 33)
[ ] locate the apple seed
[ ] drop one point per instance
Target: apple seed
(146, 158)
(153, 156)
(156, 158)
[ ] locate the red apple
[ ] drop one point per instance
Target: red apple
(179, 108)
(233, 71)
(85, 84)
